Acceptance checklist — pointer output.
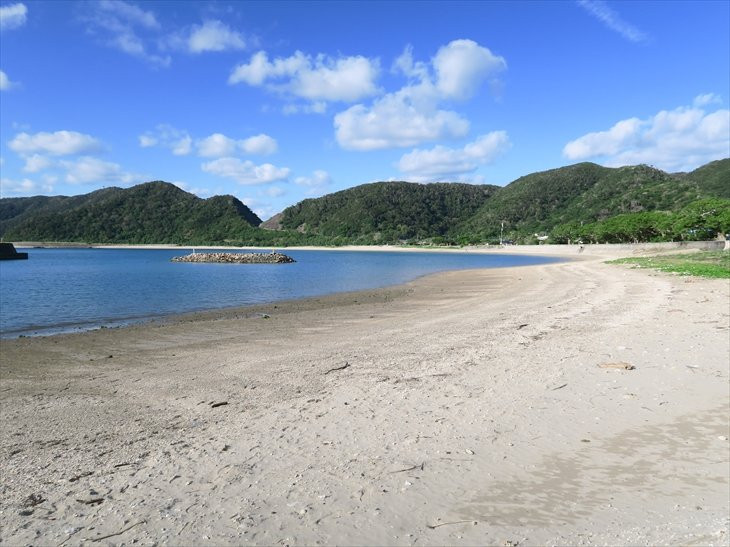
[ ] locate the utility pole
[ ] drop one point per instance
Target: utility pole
(501, 233)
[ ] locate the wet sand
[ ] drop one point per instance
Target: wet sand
(464, 408)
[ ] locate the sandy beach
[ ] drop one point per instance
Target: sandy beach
(483, 407)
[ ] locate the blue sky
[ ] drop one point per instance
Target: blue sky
(275, 102)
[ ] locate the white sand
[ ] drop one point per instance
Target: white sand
(472, 412)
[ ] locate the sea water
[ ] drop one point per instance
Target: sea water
(58, 290)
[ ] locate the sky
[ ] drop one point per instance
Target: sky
(275, 102)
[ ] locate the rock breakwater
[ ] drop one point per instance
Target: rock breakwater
(236, 258)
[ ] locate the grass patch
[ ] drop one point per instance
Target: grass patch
(701, 264)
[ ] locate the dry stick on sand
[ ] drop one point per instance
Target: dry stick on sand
(432, 526)
(409, 468)
(118, 533)
(343, 367)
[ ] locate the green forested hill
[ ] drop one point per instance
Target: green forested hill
(587, 192)
(562, 203)
(387, 211)
(713, 179)
(154, 212)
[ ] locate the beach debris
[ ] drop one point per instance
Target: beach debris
(81, 476)
(92, 501)
(522, 326)
(470, 452)
(343, 367)
(117, 533)
(216, 405)
(585, 440)
(33, 500)
(559, 387)
(619, 365)
(412, 468)
(433, 526)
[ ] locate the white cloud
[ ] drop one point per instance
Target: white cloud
(679, 139)
(707, 98)
(183, 147)
(147, 141)
(200, 192)
(36, 163)
(320, 78)
(245, 172)
(604, 143)
(125, 27)
(413, 69)
(260, 144)
(404, 118)
(316, 183)
(319, 107)
(5, 83)
(214, 36)
(13, 16)
(412, 114)
(59, 143)
(176, 140)
(218, 145)
(601, 11)
(129, 13)
(93, 170)
(462, 66)
(23, 187)
(442, 163)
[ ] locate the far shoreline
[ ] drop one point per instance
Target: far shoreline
(609, 250)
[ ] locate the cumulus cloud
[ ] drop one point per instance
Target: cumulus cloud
(679, 139)
(87, 169)
(36, 163)
(58, 143)
(125, 27)
(260, 144)
(443, 163)
(214, 36)
(5, 82)
(320, 78)
(462, 66)
(601, 11)
(412, 114)
(245, 172)
(13, 16)
(200, 192)
(396, 120)
(10, 187)
(218, 145)
(707, 99)
(316, 183)
(178, 141)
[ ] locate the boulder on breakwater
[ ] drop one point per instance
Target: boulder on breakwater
(236, 258)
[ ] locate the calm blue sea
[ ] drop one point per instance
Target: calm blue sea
(58, 290)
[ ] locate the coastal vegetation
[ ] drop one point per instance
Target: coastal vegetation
(579, 203)
(714, 264)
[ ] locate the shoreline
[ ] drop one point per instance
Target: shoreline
(235, 309)
(464, 408)
(562, 252)
(607, 249)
